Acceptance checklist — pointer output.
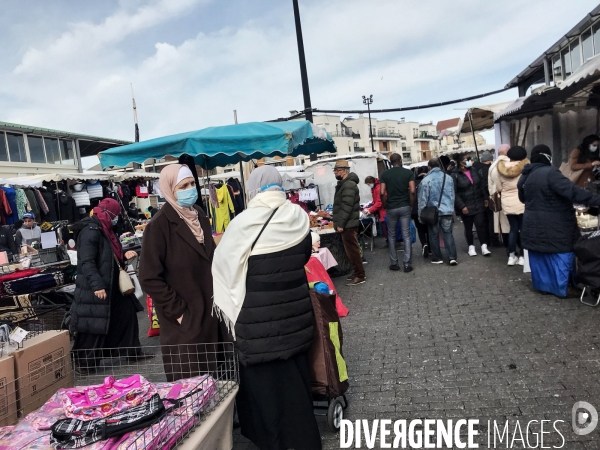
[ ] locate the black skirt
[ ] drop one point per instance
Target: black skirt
(274, 405)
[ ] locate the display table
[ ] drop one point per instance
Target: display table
(216, 431)
(332, 240)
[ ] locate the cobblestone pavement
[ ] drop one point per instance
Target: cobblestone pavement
(471, 341)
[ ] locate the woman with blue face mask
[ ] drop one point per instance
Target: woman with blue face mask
(175, 270)
(584, 159)
(471, 201)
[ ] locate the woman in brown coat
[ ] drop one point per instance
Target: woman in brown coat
(585, 158)
(175, 270)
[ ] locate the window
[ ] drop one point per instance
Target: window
(596, 34)
(36, 149)
(566, 62)
(66, 152)
(587, 45)
(557, 69)
(3, 151)
(575, 55)
(52, 152)
(16, 147)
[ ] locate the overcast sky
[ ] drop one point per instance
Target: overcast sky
(68, 64)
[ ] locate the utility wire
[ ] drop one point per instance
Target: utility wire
(407, 108)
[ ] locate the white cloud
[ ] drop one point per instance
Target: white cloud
(404, 53)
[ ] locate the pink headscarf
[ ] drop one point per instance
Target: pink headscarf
(167, 183)
(107, 210)
(503, 149)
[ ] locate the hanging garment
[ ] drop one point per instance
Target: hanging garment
(82, 198)
(237, 195)
(141, 191)
(35, 209)
(156, 188)
(41, 202)
(5, 209)
(295, 199)
(10, 210)
(94, 190)
(67, 209)
(48, 197)
(222, 214)
(21, 201)
(126, 194)
(212, 195)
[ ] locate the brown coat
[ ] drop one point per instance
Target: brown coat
(175, 270)
(587, 168)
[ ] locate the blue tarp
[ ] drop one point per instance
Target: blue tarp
(219, 146)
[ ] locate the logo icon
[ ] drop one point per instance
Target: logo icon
(584, 418)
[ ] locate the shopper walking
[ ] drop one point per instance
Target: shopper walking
(584, 159)
(377, 207)
(398, 193)
(471, 202)
(261, 292)
(422, 229)
(346, 213)
(509, 173)
(549, 223)
(175, 270)
(101, 316)
(430, 193)
(501, 226)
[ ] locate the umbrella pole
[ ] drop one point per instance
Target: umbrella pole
(473, 133)
(242, 180)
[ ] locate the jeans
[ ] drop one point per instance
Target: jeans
(514, 236)
(350, 241)
(393, 216)
(480, 225)
(445, 223)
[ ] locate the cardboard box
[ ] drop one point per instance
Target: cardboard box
(42, 367)
(8, 395)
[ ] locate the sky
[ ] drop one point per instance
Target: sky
(68, 64)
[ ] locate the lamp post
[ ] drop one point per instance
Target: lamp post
(367, 101)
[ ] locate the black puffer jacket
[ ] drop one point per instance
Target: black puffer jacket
(346, 202)
(549, 223)
(471, 195)
(96, 270)
(276, 320)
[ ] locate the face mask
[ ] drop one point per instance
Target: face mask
(468, 163)
(187, 197)
(114, 221)
(593, 148)
(370, 186)
(339, 177)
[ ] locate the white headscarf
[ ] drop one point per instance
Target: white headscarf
(287, 228)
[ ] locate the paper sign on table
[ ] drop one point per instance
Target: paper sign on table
(49, 240)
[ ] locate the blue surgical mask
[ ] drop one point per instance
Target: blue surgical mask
(593, 148)
(370, 186)
(187, 197)
(468, 163)
(114, 221)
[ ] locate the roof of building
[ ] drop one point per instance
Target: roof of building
(536, 68)
(91, 145)
(448, 123)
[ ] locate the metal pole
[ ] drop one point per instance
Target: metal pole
(473, 133)
(303, 74)
(370, 127)
(241, 165)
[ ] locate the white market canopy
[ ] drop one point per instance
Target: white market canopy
(483, 117)
(37, 180)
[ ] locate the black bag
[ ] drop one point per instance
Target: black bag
(587, 251)
(430, 214)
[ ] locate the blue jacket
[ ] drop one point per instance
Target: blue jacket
(428, 193)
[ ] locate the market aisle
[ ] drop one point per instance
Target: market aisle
(471, 341)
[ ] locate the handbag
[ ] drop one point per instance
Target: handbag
(430, 214)
(126, 286)
(573, 175)
(495, 202)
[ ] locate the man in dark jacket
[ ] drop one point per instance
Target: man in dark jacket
(483, 166)
(7, 242)
(346, 213)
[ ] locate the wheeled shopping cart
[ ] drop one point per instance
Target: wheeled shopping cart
(329, 375)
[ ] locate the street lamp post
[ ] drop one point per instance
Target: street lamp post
(303, 75)
(367, 101)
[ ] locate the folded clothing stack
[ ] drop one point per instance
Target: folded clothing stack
(15, 276)
(34, 283)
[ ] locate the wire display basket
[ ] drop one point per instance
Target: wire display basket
(204, 375)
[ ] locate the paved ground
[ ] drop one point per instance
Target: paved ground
(471, 341)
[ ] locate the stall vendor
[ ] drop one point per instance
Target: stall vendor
(29, 232)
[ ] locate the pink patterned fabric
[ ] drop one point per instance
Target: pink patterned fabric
(33, 432)
(111, 397)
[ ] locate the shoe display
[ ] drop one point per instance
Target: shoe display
(407, 268)
(512, 260)
(484, 250)
(437, 261)
(472, 251)
(394, 267)
(356, 282)
(521, 261)
(453, 262)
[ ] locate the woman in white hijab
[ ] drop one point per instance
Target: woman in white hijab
(261, 292)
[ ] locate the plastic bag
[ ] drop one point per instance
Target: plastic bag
(154, 329)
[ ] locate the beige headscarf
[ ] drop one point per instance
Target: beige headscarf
(166, 183)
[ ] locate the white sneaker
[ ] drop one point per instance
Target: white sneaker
(485, 251)
(472, 251)
(521, 261)
(512, 260)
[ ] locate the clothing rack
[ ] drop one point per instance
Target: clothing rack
(314, 186)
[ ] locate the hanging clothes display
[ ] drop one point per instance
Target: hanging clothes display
(10, 210)
(41, 202)
(50, 201)
(4, 207)
(224, 209)
(21, 200)
(94, 189)
(294, 198)
(80, 195)
(35, 209)
(141, 190)
(67, 209)
(237, 195)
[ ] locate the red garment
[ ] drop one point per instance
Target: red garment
(377, 205)
(5, 209)
(141, 191)
(295, 199)
(315, 271)
(107, 210)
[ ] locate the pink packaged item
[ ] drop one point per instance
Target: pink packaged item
(113, 396)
